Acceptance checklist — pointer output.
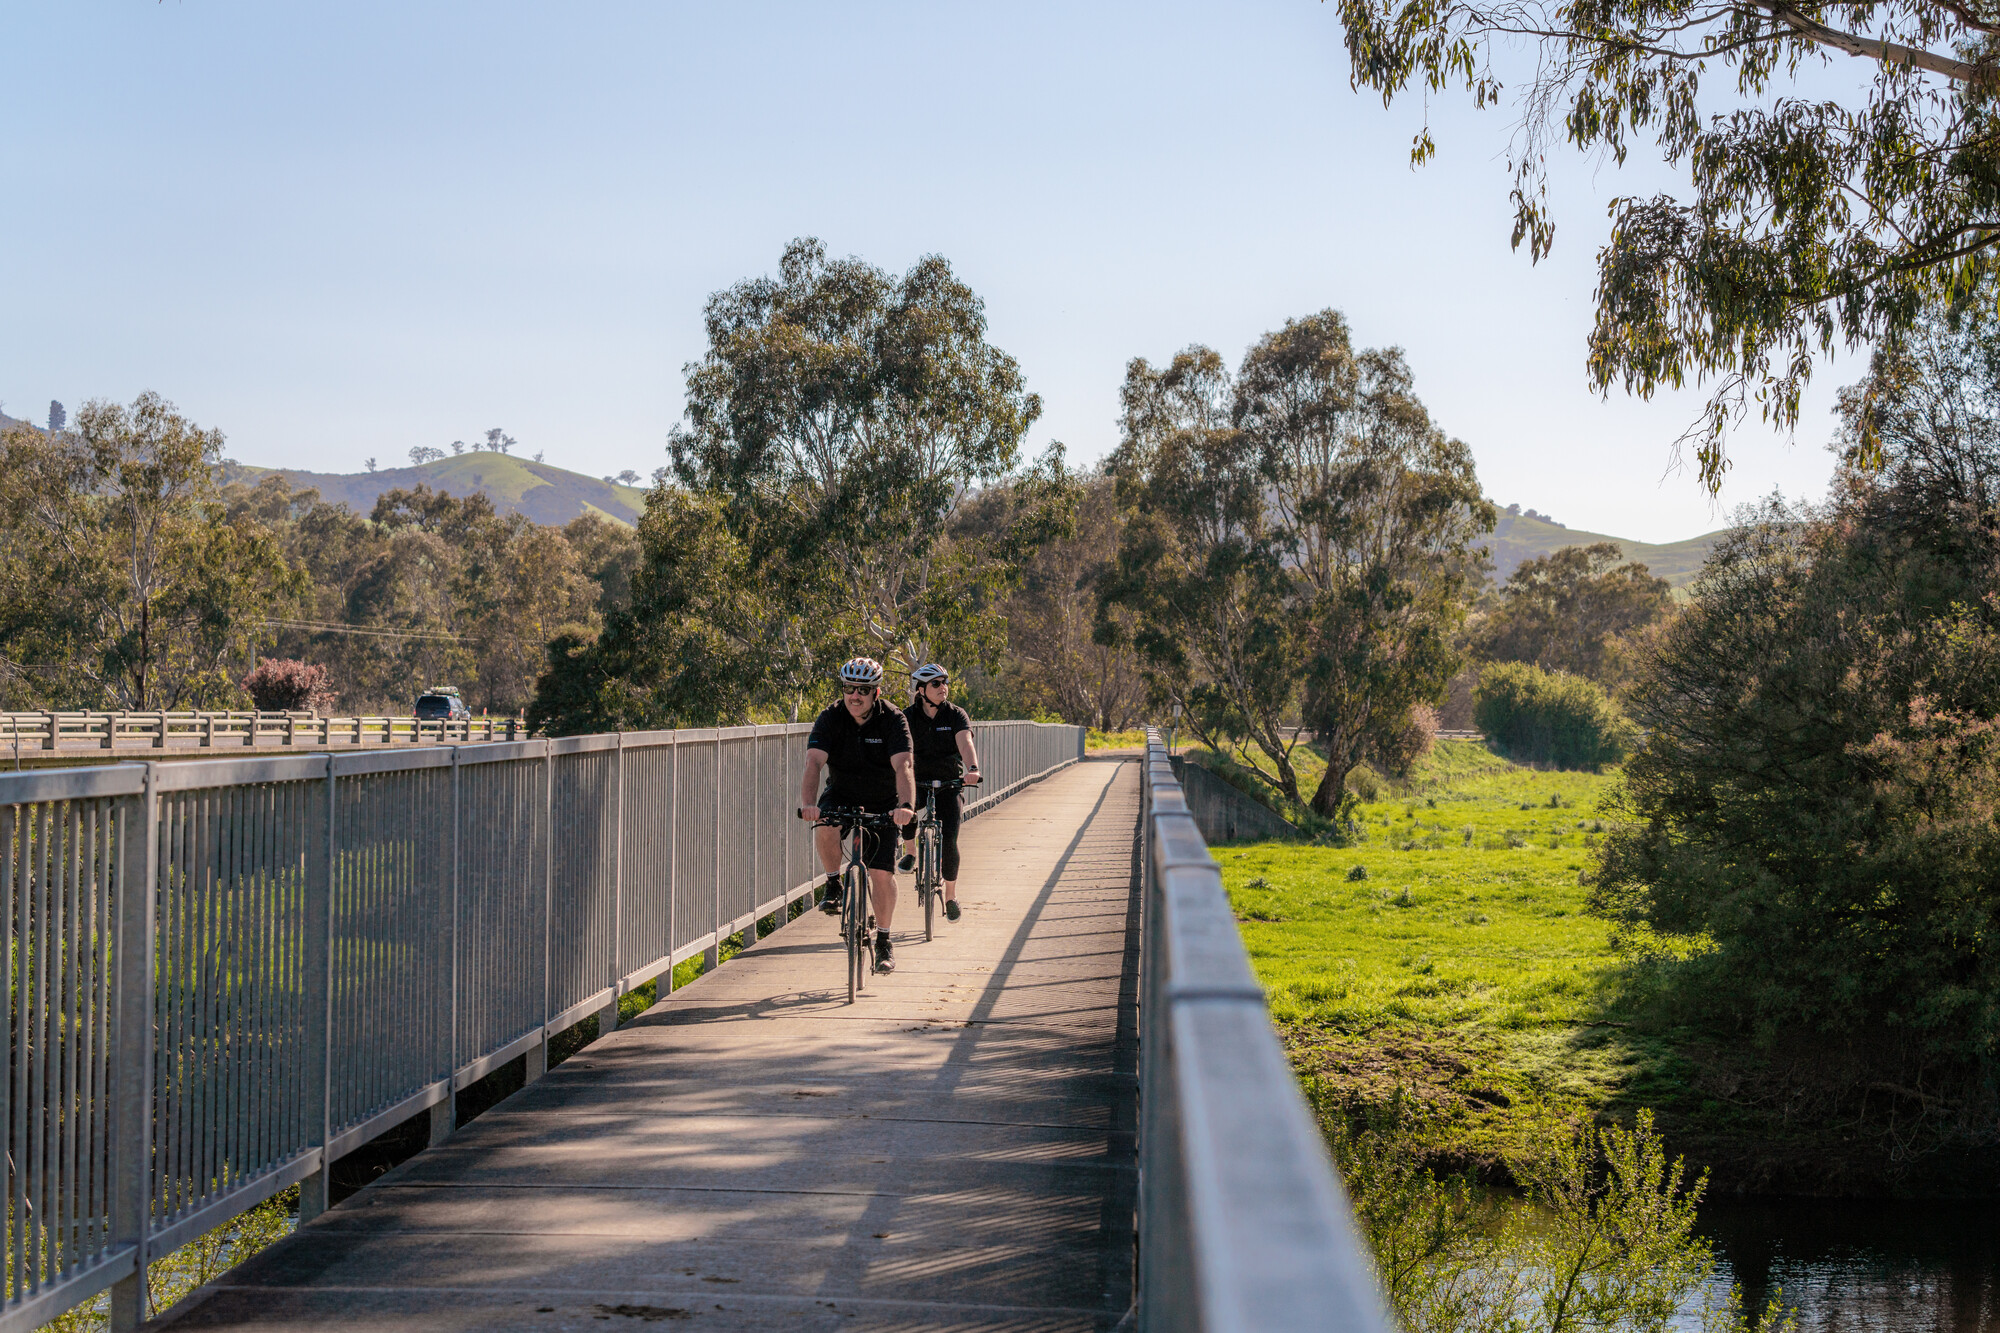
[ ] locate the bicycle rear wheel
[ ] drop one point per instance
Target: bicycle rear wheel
(927, 877)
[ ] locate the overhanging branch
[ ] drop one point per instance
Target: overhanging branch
(1888, 53)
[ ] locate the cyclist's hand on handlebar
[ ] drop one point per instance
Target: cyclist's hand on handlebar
(809, 813)
(972, 778)
(901, 815)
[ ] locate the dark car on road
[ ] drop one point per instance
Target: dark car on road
(441, 704)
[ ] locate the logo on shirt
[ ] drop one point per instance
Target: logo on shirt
(872, 740)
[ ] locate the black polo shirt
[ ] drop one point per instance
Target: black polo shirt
(935, 739)
(858, 754)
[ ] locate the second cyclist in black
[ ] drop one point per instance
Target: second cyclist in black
(941, 737)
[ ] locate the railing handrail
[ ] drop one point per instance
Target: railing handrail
(1243, 1225)
(230, 972)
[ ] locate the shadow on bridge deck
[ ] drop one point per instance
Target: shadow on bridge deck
(955, 1151)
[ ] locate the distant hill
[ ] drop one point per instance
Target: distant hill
(539, 491)
(1518, 539)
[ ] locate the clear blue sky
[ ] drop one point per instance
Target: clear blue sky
(341, 231)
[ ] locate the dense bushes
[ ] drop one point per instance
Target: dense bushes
(1545, 717)
(1813, 811)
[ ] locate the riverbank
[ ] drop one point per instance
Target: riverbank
(1448, 957)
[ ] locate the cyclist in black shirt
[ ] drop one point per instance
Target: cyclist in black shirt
(865, 744)
(941, 735)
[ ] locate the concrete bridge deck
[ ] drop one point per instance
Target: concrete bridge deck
(955, 1151)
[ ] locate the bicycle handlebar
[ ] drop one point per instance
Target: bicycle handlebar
(847, 815)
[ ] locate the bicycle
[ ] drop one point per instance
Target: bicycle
(930, 849)
(857, 919)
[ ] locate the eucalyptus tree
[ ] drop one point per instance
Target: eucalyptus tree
(1573, 610)
(693, 645)
(1061, 657)
(1199, 565)
(1300, 547)
(843, 415)
(124, 583)
(1812, 222)
(1377, 515)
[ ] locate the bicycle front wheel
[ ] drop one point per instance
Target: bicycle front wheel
(854, 924)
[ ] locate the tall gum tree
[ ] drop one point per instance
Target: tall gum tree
(1197, 565)
(1377, 513)
(1300, 546)
(124, 582)
(844, 415)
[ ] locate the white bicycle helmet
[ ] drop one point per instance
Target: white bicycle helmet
(861, 671)
(929, 673)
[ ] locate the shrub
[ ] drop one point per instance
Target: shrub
(1548, 717)
(1396, 752)
(1364, 784)
(1609, 1241)
(281, 685)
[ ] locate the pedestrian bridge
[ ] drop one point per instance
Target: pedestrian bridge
(1068, 1111)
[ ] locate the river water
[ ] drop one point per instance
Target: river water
(1858, 1266)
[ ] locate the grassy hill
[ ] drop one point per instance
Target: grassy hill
(539, 491)
(1518, 539)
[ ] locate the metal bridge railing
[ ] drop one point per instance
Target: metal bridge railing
(226, 974)
(31, 734)
(1243, 1227)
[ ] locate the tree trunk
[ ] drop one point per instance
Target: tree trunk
(1332, 787)
(145, 647)
(1288, 778)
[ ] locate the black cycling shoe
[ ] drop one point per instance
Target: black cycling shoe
(885, 952)
(832, 902)
(909, 861)
(951, 909)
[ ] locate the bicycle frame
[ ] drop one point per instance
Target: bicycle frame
(930, 850)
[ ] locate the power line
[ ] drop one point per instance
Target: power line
(321, 627)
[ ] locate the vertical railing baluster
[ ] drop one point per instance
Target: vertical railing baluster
(713, 958)
(13, 862)
(132, 1038)
(451, 971)
(538, 1054)
(673, 863)
(756, 837)
(617, 882)
(314, 1190)
(444, 1044)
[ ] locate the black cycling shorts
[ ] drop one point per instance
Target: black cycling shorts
(949, 814)
(878, 845)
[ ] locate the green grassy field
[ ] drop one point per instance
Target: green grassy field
(1447, 954)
